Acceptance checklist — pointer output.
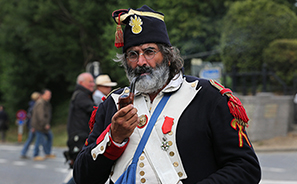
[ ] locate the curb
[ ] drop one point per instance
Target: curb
(263, 150)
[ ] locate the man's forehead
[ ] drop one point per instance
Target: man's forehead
(143, 46)
(89, 77)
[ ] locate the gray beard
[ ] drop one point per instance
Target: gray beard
(151, 83)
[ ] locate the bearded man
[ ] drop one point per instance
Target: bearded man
(180, 129)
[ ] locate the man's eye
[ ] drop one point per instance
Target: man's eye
(132, 54)
(149, 52)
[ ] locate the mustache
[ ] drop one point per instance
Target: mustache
(142, 69)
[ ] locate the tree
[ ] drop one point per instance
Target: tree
(194, 25)
(48, 43)
(249, 26)
(281, 57)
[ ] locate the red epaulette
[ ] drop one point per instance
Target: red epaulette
(92, 118)
(234, 104)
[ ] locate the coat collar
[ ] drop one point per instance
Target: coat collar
(83, 89)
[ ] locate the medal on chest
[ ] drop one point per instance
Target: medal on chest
(166, 129)
(142, 121)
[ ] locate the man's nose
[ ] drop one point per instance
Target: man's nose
(141, 60)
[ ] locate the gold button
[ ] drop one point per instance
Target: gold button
(171, 153)
(127, 91)
(94, 155)
(180, 174)
(141, 164)
(175, 164)
(141, 157)
(170, 133)
(143, 180)
(102, 148)
(193, 84)
(170, 143)
(141, 173)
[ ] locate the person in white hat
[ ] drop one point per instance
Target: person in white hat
(103, 88)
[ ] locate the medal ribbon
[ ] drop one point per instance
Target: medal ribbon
(167, 125)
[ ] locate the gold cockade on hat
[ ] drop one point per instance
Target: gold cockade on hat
(136, 23)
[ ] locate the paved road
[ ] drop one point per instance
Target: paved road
(277, 167)
(14, 170)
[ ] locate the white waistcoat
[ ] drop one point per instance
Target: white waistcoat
(156, 165)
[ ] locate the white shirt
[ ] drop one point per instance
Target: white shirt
(97, 97)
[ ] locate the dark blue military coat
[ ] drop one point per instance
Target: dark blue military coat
(212, 148)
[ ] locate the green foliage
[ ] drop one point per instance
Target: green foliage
(281, 57)
(249, 26)
(194, 26)
(48, 43)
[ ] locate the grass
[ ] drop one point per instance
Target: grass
(59, 132)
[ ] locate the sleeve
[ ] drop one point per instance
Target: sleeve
(95, 161)
(233, 150)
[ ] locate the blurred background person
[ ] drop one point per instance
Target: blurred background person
(80, 109)
(31, 132)
(103, 88)
(3, 123)
(40, 120)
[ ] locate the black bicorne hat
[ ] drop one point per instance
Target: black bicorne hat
(143, 25)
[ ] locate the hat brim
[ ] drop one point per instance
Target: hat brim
(109, 84)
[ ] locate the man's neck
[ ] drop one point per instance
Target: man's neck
(153, 95)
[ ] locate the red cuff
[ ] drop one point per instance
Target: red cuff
(112, 151)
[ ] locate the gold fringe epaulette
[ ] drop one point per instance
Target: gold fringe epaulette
(234, 104)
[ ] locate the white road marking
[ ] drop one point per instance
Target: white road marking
(273, 169)
(3, 161)
(19, 163)
(277, 182)
(62, 170)
(39, 166)
(9, 148)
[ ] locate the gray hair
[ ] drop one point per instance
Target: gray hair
(171, 56)
(81, 77)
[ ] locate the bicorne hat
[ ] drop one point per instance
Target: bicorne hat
(142, 25)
